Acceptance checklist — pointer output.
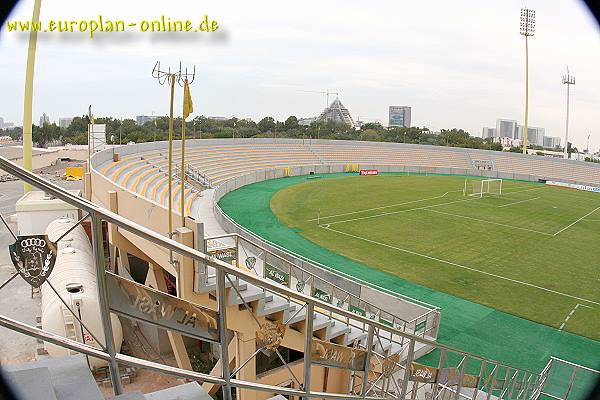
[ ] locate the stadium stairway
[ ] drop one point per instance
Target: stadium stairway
(69, 378)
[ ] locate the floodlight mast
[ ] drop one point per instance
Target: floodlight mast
(568, 80)
(527, 29)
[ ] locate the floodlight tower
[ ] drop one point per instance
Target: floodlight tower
(568, 80)
(527, 29)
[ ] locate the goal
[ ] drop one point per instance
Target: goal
(481, 187)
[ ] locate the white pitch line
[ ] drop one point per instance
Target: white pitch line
(573, 223)
(420, 208)
(462, 266)
(379, 208)
(491, 222)
(517, 202)
(571, 314)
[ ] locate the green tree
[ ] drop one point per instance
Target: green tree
(267, 124)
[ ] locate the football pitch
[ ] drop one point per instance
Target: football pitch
(531, 251)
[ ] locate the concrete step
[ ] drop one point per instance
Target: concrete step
(338, 328)
(129, 396)
(188, 391)
(70, 376)
(355, 334)
(274, 305)
(250, 294)
(31, 384)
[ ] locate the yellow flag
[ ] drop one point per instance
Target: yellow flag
(188, 107)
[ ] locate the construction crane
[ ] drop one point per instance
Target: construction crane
(326, 93)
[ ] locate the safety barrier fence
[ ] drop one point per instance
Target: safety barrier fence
(373, 375)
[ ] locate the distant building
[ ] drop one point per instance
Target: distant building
(336, 112)
(306, 121)
(507, 142)
(399, 117)
(506, 128)
(217, 118)
(142, 119)
(535, 135)
(488, 133)
(64, 122)
(551, 142)
(44, 119)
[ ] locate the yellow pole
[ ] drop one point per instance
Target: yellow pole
(28, 98)
(526, 95)
(181, 196)
(172, 78)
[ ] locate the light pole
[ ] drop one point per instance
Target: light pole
(568, 80)
(527, 29)
(194, 128)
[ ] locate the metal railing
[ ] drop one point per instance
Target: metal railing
(269, 265)
(564, 380)
(377, 376)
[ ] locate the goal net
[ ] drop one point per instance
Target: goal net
(482, 187)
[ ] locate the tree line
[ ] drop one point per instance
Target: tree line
(126, 130)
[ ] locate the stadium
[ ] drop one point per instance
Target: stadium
(299, 214)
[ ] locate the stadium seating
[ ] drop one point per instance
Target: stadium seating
(145, 173)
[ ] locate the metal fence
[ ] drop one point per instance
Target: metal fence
(564, 380)
(374, 375)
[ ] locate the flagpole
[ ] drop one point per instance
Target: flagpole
(181, 196)
(170, 184)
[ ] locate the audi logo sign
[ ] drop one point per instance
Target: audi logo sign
(367, 172)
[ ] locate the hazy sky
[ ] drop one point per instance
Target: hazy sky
(457, 63)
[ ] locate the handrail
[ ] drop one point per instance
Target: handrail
(323, 266)
(170, 244)
(314, 276)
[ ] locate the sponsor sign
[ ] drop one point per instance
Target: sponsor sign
(33, 257)
(574, 186)
(277, 275)
(423, 373)
(227, 254)
(420, 326)
(133, 300)
(337, 356)
(367, 172)
(321, 295)
(357, 310)
(270, 335)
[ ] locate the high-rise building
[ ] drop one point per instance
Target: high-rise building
(142, 119)
(551, 142)
(399, 117)
(64, 122)
(506, 128)
(488, 133)
(535, 135)
(336, 112)
(1, 123)
(44, 119)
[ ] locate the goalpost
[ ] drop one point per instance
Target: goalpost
(481, 187)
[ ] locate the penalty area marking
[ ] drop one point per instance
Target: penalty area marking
(491, 222)
(571, 314)
(517, 202)
(418, 208)
(574, 222)
(462, 266)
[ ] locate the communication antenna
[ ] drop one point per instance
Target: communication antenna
(163, 77)
(568, 80)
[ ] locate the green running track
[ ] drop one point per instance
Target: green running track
(465, 325)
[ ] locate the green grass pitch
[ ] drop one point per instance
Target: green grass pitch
(532, 251)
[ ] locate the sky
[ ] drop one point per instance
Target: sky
(458, 64)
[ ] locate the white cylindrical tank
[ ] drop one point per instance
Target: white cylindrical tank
(74, 278)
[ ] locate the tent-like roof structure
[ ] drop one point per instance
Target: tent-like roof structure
(336, 112)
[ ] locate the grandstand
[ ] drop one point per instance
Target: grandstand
(285, 324)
